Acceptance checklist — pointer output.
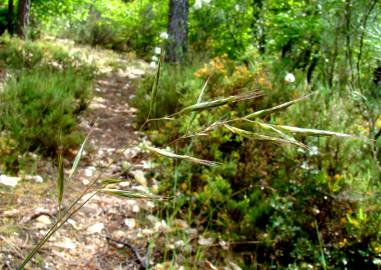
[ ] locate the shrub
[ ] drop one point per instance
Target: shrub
(17, 54)
(39, 110)
(47, 88)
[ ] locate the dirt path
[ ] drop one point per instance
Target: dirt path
(28, 211)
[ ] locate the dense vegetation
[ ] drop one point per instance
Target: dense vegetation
(282, 199)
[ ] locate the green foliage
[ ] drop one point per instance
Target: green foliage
(302, 207)
(47, 88)
(264, 193)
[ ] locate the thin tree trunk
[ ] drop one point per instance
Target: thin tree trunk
(362, 36)
(348, 18)
(22, 17)
(257, 25)
(10, 17)
(177, 30)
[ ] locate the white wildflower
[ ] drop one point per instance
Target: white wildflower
(314, 151)
(163, 35)
(155, 58)
(153, 65)
(289, 78)
(198, 4)
(305, 166)
(377, 261)
(237, 8)
(157, 50)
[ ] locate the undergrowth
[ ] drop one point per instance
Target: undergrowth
(283, 207)
(45, 90)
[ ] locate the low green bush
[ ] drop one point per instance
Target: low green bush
(31, 56)
(39, 110)
(46, 89)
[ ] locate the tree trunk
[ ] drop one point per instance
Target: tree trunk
(258, 26)
(22, 17)
(10, 17)
(177, 30)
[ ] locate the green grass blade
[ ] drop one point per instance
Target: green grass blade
(283, 135)
(276, 108)
(154, 90)
(110, 181)
(78, 157)
(129, 194)
(199, 100)
(60, 180)
(313, 132)
(256, 136)
(219, 102)
(202, 93)
(182, 157)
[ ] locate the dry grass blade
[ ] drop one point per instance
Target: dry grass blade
(276, 108)
(219, 102)
(182, 157)
(129, 194)
(314, 132)
(256, 136)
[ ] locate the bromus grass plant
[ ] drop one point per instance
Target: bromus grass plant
(240, 126)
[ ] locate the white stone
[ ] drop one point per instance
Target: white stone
(205, 241)
(44, 219)
(9, 181)
(136, 208)
(89, 171)
(95, 228)
(130, 223)
(66, 243)
(35, 178)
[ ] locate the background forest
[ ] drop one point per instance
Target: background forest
(263, 118)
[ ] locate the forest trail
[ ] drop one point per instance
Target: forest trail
(82, 243)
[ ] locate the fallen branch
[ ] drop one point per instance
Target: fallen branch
(142, 261)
